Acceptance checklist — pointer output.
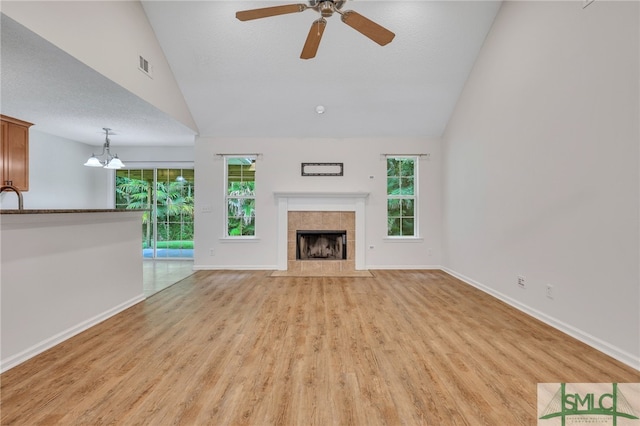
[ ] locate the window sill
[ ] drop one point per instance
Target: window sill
(403, 239)
(239, 239)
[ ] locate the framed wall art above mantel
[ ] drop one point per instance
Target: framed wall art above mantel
(322, 169)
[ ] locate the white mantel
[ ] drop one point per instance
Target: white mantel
(321, 201)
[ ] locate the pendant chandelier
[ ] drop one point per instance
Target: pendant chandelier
(110, 161)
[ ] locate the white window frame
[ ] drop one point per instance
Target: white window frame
(415, 197)
(226, 235)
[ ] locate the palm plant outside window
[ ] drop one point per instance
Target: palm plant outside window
(401, 196)
(241, 196)
(167, 195)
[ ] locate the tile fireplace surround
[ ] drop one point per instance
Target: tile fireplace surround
(320, 221)
(321, 211)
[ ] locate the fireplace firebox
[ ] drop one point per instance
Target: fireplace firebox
(321, 245)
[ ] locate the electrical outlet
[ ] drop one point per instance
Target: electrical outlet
(521, 282)
(212, 252)
(372, 247)
(549, 291)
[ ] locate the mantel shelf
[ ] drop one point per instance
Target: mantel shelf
(307, 194)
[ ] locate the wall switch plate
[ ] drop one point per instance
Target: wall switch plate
(521, 282)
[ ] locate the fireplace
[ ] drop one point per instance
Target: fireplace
(321, 245)
(321, 211)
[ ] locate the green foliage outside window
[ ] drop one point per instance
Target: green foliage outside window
(401, 197)
(174, 202)
(241, 201)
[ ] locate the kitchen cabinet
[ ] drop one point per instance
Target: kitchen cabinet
(14, 150)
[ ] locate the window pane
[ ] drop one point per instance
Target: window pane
(393, 186)
(393, 207)
(245, 189)
(392, 167)
(393, 227)
(407, 227)
(406, 167)
(248, 228)
(406, 186)
(407, 207)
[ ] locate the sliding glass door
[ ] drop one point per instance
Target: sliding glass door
(167, 195)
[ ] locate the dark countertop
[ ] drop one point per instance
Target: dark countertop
(50, 211)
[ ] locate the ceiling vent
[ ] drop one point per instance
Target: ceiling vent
(145, 66)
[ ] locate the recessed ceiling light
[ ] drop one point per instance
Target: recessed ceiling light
(320, 109)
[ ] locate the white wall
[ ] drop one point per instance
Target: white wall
(57, 177)
(541, 169)
(114, 34)
(278, 169)
(141, 156)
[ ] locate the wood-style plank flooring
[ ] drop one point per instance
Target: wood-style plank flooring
(244, 348)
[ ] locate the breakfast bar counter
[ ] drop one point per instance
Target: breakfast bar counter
(54, 211)
(63, 271)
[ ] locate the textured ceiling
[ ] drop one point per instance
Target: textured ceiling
(245, 79)
(62, 96)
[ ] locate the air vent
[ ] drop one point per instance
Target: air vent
(144, 66)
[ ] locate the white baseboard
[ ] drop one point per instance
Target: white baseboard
(594, 342)
(235, 267)
(38, 348)
(404, 267)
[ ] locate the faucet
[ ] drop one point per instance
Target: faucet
(16, 190)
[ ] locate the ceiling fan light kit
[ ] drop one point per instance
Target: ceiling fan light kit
(326, 9)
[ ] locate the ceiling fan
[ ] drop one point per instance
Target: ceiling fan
(326, 8)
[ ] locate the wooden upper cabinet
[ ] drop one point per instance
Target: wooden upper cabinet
(14, 149)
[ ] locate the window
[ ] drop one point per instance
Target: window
(401, 196)
(167, 195)
(241, 196)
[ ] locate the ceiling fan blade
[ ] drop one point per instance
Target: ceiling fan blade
(313, 39)
(367, 27)
(265, 12)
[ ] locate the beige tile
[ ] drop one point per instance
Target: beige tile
(294, 266)
(293, 220)
(331, 221)
(332, 266)
(351, 250)
(160, 274)
(348, 265)
(314, 220)
(348, 220)
(312, 266)
(291, 251)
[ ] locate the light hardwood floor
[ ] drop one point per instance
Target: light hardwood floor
(242, 347)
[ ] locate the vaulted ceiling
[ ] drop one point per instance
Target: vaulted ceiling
(245, 79)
